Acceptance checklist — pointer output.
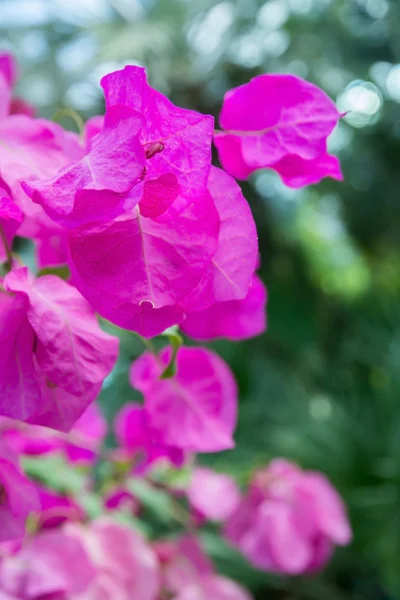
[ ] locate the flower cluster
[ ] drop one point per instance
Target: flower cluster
(153, 237)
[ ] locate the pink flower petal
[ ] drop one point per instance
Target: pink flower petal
(126, 566)
(280, 122)
(91, 188)
(10, 219)
(184, 135)
(134, 270)
(72, 350)
(232, 266)
(196, 409)
(214, 495)
(234, 320)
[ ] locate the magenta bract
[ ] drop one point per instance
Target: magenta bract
(18, 496)
(53, 564)
(177, 141)
(134, 270)
(125, 565)
(10, 219)
(232, 266)
(188, 574)
(55, 357)
(280, 122)
(213, 495)
(143, 444)
(234, 320)
(289, 521)
(102, 184)
(196, 409)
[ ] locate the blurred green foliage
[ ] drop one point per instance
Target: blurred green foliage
(322, 385)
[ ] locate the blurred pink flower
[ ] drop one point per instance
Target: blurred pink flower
(80, 445)
(52, 565)
(125, 564)
(55, 508)
(119, 498)
(141, 442)
(188, 574)
(18, 496)
(289, 521)
(214, 496)
(196, 409)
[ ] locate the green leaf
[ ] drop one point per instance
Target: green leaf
(55, 473)
(157, 501)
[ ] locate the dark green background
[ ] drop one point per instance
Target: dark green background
(322, 385)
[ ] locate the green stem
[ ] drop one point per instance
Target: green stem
(68, 112)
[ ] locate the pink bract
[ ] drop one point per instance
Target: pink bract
(232, 266)
(289, 521)
(134, 270)
(196, 409)
(214, 495)
(126, 566)
(18, 496)
(215, 587)
(177, 141)
(102, 184)
(288, 136)
(55, 356)
(188, 573)
(56, 508)
(85, 439)
(53, 564)
(32, 149)
(234, 320)
(142, 443)
(10, 219)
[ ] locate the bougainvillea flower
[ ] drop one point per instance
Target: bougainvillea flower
(134, 270)
(52, 564)
(55, 508)
(296, 172)
(93, 126)
(126, 566)
(80, 445)
(289, 521)
(215, 587)
(102, 184)
(188, 574)
(232, 266)
(33, 149)
(18, 496)
(120, 498)
(234, 320)
(213, 495)
(143, 444)
(10, 219)
(31, 440)
(280, 122)
(177, 141)
(54, 354)
(194, 410)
